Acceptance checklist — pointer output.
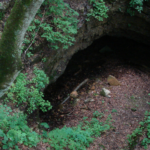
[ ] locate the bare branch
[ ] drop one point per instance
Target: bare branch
(82, 83)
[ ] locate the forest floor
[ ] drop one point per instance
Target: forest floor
(127, 104)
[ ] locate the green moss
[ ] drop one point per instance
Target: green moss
(9, 57)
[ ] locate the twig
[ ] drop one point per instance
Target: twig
(82, 83)
(70, 112)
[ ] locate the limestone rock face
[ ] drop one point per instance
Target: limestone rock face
(113, 81)
(115, 25)
(119, 24)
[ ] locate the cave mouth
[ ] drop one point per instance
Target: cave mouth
(104, 56)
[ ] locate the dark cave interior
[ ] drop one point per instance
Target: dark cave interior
(90, 63)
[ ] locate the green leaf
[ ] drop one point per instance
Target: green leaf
(45, 125)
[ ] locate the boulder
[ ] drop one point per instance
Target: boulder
(74, 94)
(104, 92)
(89, 100)
(113, 81)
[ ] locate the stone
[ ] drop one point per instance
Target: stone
(92, 87)
(89, 100)
(76, 102)
(74, 94)
(113, 81)
(104, 92)
(82, 93)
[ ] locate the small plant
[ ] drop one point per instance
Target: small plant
(98, 10)
(43, 59)
(98, 114)
(137, 4)
(114, 111)
(119, 9)
(132, 97)
(95, 94)
(129, 25)
(29, 54)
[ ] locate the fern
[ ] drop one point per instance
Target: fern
(137, 4)
(98, 10)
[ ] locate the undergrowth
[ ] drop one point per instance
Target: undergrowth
(135, 4)
(55, 22)
(25, 91)
(143, 130)
(98, 10)
(14, 132)
(77, 138)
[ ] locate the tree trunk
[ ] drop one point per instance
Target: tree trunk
(20, 18)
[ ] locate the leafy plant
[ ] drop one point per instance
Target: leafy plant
(98, 10)
(29, 54)
(98, 114)
(76, 138)
(57, 23)
(114, 110)
(132, 97)
(95, 94)
(137, 4)
(14, 130)
(44, 59)
(20, 92)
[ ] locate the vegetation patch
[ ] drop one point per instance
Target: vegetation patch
(135, 4)
(98, 10)
(142, 130)
(14, 130)
(25, 91)
(56, 22)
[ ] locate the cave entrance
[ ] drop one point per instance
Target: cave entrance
(123, 58)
